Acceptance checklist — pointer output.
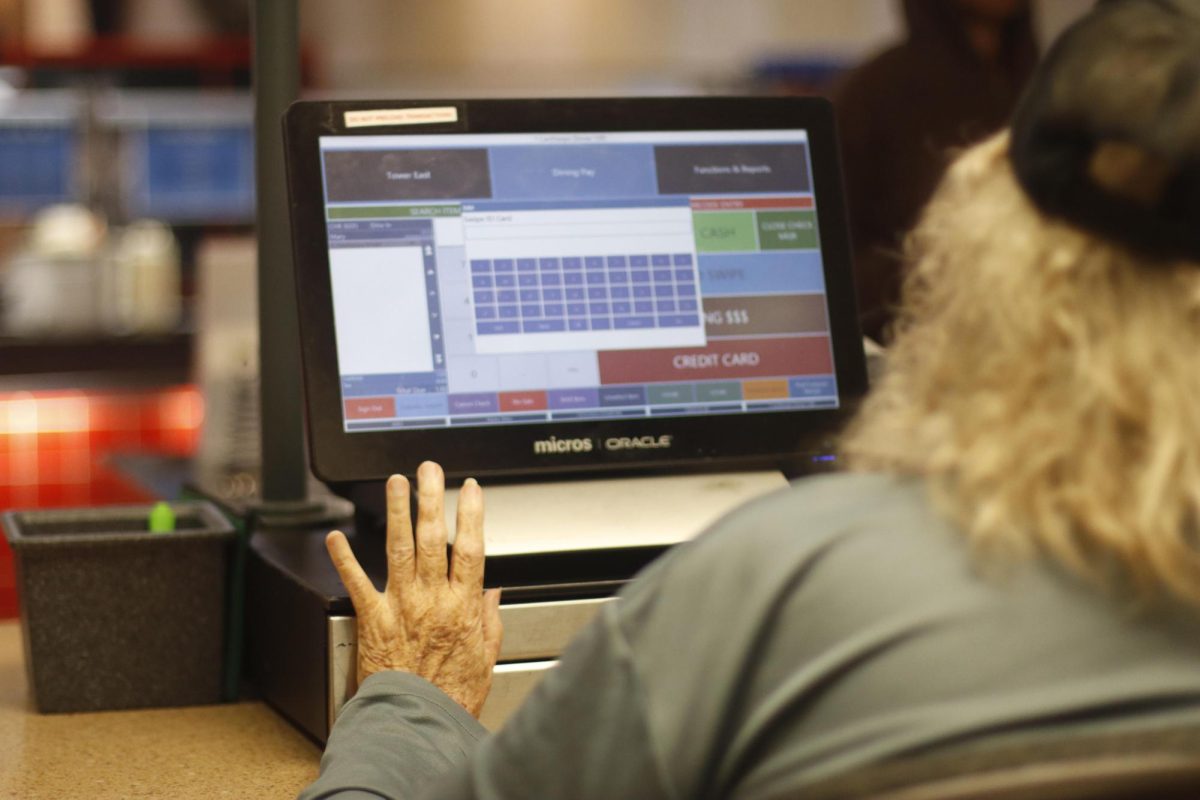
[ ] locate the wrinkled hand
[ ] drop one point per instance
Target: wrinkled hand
(432, 619)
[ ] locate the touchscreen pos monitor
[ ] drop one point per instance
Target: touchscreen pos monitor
(525, 287)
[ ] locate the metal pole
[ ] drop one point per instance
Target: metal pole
(276, 84)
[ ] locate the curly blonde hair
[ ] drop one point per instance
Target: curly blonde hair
(1045, 384)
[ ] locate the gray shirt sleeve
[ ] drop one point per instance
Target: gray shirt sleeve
(398, 734)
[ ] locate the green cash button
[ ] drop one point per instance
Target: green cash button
(673, 393)
(718, 392)
(724, 231)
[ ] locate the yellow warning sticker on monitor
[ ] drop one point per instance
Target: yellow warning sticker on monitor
(401, 116)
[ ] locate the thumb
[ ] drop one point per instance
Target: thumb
(493, 628)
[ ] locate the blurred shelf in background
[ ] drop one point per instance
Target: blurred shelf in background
(126, 61)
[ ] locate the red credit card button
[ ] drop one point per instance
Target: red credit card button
(746, 358)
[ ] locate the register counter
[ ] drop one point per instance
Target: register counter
(239, 750)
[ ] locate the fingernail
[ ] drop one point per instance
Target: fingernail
(395, 484)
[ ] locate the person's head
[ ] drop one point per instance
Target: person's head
(1045, 377)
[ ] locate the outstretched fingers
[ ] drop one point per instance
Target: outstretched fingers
(467, 564)
(401, 552)
(361, 590)
(431, 524)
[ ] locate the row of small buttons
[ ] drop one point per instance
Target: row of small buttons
(590, 293)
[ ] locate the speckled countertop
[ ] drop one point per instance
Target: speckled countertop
(240, 750)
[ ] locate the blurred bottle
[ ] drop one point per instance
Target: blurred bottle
(142, 277)
(51, 285)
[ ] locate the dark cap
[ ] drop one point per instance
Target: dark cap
(1107, 135)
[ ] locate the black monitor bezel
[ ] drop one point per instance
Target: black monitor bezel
(742, 439)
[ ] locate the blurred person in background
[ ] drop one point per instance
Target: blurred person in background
(903, 114)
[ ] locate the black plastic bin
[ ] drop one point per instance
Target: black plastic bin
(114, 616)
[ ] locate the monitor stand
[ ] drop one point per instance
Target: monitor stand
(560, 550)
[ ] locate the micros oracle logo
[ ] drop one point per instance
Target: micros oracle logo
(638, 442)
(555, 446)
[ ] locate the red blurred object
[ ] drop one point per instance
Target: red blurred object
(220, 61)
(53, 448)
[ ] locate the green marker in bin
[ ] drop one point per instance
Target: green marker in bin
(162, 518)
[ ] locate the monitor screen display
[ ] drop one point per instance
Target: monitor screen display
(529, 278)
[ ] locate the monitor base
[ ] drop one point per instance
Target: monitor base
(592, 514)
